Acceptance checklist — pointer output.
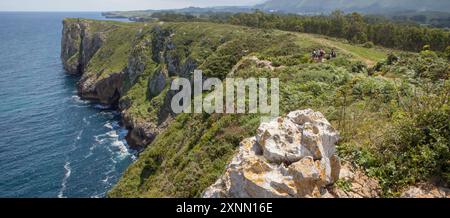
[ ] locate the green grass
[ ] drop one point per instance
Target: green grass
(112, 57)
(186, 158)
(358, 52)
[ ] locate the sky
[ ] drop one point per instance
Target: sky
(113, 5)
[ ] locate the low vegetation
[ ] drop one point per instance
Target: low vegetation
(396, 33)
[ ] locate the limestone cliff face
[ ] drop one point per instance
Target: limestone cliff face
(78, 45)
(164, 53)
(70, 47)
(150, 51)
(106, 91)
(159, 49)
(80, 42)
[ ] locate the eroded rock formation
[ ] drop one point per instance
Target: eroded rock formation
(106, 91)
(151, 51)
(78, 45)
(291, 156)
(354, 183)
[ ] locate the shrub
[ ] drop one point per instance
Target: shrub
(426, 65)
(414, 147)
(368, 45)
(392, 58)
(359, 67)
(447, 52)
(426, 48)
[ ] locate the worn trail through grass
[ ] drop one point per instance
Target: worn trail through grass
(369, 56)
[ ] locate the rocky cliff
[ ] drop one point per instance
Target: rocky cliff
(112, 59)
(100, 53)
(79, 43)
(131, 65)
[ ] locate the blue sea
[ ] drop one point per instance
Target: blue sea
(52, 144)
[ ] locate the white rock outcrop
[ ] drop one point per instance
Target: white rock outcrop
(291, 156)
(426, 190)
(354, 183)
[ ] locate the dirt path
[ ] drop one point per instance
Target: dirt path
(328, 43)
(335, 44)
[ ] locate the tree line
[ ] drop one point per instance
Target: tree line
(353, 27)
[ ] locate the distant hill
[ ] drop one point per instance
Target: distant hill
(365, 6)
(189, 10)
(434, 13)
(321, 6)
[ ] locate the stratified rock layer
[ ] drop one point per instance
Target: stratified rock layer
(291, 156)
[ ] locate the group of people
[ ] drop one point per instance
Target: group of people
(320, 54)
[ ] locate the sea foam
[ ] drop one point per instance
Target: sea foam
(64, 181)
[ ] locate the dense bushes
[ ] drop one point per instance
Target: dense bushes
(447, 52)
(396, 128)
(353, 27)
(368, 45)
(413, 144)
(414, 148)
(426, 65)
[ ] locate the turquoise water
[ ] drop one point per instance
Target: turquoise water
(52, 144)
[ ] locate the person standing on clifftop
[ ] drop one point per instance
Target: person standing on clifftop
(314, 54)
(321, 54)
(333, 53)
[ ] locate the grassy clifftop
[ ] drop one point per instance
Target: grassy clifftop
(186, 153)
(82, 38)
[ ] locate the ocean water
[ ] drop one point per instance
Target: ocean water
(52, 144)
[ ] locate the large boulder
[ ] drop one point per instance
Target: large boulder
(291, 156)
